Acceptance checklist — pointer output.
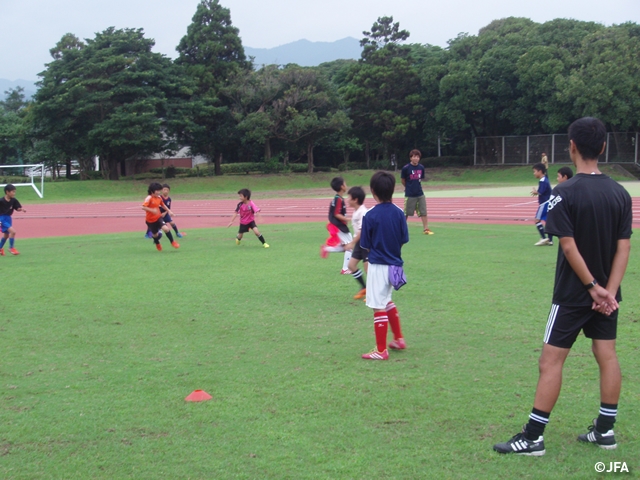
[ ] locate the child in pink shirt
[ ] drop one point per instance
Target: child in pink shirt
(247, 210)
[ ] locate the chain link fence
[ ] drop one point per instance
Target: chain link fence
(528, 149)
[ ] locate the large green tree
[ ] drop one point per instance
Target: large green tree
(383, 90)
(213, 57)
(107, 97)
(14, 144)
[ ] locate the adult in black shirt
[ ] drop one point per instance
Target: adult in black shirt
(592, 215)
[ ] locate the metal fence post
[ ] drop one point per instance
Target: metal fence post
(553, 148)
(475, 151)
(606, 155)
(527, 149)
(503, 150)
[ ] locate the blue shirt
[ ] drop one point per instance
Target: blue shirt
(384, 231)
(412, 176)
(544, 190)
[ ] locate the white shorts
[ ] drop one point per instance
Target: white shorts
(379, 287)
(344, 239)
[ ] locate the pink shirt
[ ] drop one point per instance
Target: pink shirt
(247, 212)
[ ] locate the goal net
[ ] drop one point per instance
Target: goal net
(23, 176)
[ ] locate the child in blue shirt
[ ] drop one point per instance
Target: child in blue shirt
(384, 231)
(543, 192)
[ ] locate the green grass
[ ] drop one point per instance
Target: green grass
(279, 185)
(102, 337)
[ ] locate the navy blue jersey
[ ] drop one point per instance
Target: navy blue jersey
(8, 206)
(596, 212)
(544, 190)
(384, 231)
(338, 207)
(167, 202)
(413, 175)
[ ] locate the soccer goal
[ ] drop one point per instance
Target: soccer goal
(25, 175)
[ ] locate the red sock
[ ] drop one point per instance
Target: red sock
(394, 320)
(380, 326)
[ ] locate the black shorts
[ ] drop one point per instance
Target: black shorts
(156, 226)
(245, 228)
(360, 253)
(167, 218)
(565, 323)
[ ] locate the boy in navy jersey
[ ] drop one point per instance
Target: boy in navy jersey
(543, 192)
(8, 204)
(384, 231)
(592, 215)
(414, 199)
(564, 174)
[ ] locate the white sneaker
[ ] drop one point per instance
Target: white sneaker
(543, 241)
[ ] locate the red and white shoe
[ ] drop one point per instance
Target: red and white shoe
(323, 252)
(376, 355)
(345, 272)
(398, 344)
(13, 251)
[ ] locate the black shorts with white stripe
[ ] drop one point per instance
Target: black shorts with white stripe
(565, 323)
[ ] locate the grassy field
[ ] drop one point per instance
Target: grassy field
(102, 337)
(279, 185)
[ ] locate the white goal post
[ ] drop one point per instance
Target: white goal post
(30, 171)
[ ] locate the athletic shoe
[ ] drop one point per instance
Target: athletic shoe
(550, 243)
(1, 252)
(323, 252)
(159, 247)
(13, 251)
(398, 344)
(361, 294)
(237, 242)
(345, 272)
(541, 242)
(520, 445)
(266, 245)
(175, 244)
(179, 235)
(427, 232)
(148, 235)
(603, 440)
(376, 355)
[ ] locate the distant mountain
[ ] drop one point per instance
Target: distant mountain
(306, 53)
(29, 87)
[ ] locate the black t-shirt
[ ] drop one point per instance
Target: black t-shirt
(8, 206)
(338, 207)
(596, 212)
(413, 175)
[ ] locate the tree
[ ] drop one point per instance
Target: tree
(382, 90)
(606, 84)
(309, 110)
(108, 97)
(14, 143)
(213, 57)
(14, 100)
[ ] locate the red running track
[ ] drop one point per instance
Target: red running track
(66, 219)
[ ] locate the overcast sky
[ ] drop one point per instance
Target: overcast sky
(29, 28)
